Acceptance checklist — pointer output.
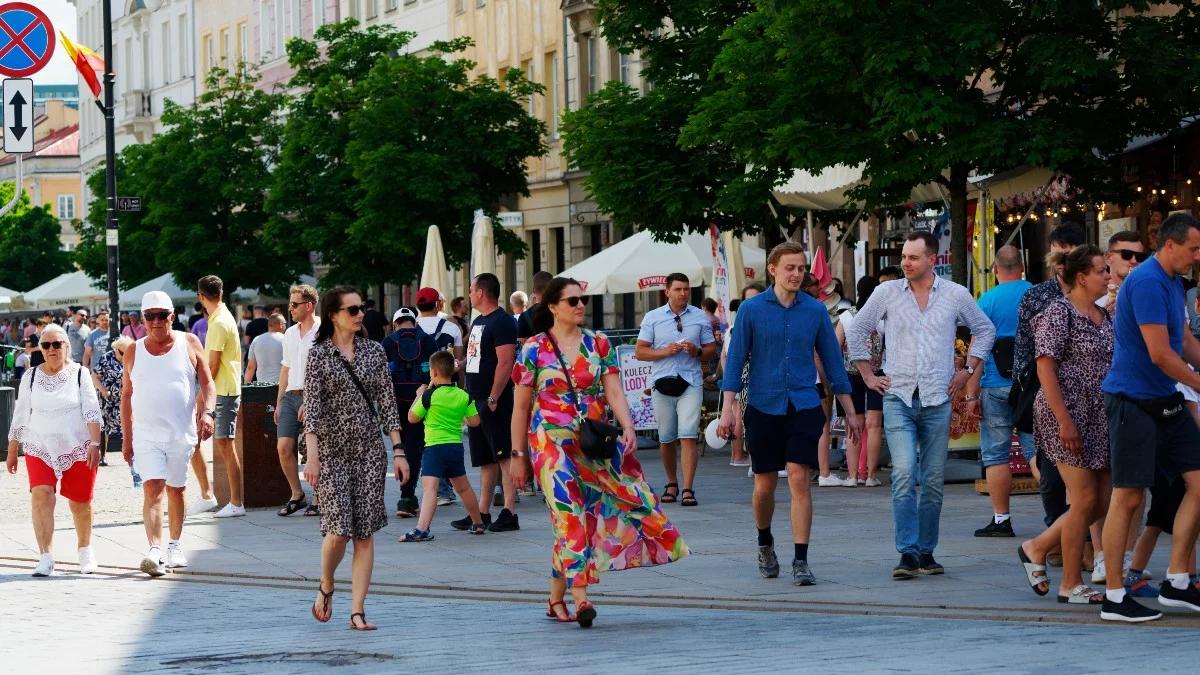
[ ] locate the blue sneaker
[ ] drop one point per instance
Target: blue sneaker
(1138, 587)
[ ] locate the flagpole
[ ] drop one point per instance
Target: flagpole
(110, 176)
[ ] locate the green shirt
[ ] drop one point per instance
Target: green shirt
(448, 407)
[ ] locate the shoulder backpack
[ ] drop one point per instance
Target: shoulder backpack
(441, 341)
(408, 358)
(427, 397)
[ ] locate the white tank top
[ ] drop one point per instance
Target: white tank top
(164, 394)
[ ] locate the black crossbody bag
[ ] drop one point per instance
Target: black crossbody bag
(597, 439)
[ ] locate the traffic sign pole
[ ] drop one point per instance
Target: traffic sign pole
(110, 177)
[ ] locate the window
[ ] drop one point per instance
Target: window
(226, 54)
(165, 43)
(529, 76)
(480, 3)
(266, 30)
(66, 207)
(295, 29)
(318, 14)
(210, 53)
(372, 9)
(552, 109)
(243, 51)
(393, 4)
(591, 65)
(460, 6)
(185, 39)
(623, 68)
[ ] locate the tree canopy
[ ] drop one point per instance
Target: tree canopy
(31, 252)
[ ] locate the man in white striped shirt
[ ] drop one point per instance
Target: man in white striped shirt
(922, 312)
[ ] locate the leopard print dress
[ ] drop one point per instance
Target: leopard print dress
(354, 460)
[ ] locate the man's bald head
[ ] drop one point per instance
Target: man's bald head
(1009, 265)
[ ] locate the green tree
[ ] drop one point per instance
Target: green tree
(936, 91)
(379, 144)
(30, 250)
(138, 241)
(628, 143)
(204, 182)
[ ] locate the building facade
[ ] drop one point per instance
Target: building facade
(50, 174)
(429, 20)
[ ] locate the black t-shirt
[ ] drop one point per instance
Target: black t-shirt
(487, 332)
(375, 324)
(256, 327)
(525, 322)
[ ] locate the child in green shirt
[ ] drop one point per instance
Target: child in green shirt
(443, 407)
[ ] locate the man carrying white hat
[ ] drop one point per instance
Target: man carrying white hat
(162, 417)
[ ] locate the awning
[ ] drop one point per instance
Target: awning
(826, 191)
(73, 289)
(132, 298)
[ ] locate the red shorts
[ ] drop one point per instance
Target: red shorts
(78, 482)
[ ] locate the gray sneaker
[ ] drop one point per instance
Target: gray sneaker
(801, 575)
(768, 564)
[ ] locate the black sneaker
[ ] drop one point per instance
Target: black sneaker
(929, 565)
(465, 522)
(907, 569)
(505, 522)
(407, 507)
(993, 530)
(1128, 610)
(1188, 598)
(768, 563)
(801, 574)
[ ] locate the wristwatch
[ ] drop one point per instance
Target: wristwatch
(970, 370)
(398, 450)
(491, 400)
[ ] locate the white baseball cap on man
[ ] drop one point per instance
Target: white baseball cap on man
(157, 300)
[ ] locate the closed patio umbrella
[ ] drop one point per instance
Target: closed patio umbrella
(433, 271)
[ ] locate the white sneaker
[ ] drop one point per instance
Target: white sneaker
(872, 482)
(175, 557)
(152, 564)
(782, 473)
(45, 566)
(230, 511)
(1098, 574)
(87, 560)
(201, 505)
(832, 480)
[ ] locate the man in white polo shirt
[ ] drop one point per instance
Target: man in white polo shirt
(289, 407)
(167, 404)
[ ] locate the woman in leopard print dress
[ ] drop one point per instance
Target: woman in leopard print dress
(348, 398)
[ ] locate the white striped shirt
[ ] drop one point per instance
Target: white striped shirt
(918, 350)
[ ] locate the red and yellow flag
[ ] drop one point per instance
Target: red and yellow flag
(89, 64)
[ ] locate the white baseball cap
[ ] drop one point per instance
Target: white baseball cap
(404, 313)
(157, 300)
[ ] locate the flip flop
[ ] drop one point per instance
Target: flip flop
(292, 506)
(1082, 595)
(1031, 573)
(325, 610)
(364, 626)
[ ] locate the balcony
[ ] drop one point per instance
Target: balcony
(581, 14)
(138, 114)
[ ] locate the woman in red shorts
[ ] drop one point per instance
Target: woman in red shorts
(57, 423)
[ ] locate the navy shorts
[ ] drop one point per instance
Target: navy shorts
(865, 400)
(1140, 446)
(775, 440)
(443, 461)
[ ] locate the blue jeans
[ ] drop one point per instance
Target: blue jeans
(996, 427)
(908, 428)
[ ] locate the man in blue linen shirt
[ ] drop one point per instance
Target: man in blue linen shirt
(779, 332)
(674, 339)
(922, 312)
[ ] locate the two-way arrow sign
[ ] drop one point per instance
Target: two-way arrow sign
(18, 113)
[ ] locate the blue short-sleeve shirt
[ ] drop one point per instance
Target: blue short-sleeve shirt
(1149, 296)
(660, 329)
(1000, 305)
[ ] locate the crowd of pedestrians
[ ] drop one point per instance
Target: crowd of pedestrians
(1093, 371)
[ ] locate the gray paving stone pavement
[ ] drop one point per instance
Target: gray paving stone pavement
(475, 603)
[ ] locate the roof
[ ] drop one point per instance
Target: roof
(61, 143)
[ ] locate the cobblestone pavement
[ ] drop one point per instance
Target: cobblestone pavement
(475, 603)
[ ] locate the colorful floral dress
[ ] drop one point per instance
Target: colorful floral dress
(605, 516)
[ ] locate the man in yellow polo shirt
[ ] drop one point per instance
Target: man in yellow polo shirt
(223, 348)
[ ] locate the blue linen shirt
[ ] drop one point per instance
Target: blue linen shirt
(780, 343)
(1149, 296)
(660, 330)
(1000, 305)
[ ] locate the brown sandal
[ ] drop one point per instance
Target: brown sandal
(551, 614)
(326, 610)
(364, 626)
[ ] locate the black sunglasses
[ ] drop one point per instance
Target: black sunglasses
(576, 301)
(355, 310)
(1128, 255)
(678, 324)
(57, 344)
(156, 316)
(294, 305)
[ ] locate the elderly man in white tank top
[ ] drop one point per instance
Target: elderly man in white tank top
(162, 418)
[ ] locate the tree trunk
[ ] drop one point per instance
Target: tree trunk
(958, 223)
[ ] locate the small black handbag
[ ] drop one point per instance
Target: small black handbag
(597, 439)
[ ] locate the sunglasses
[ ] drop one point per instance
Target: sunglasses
(678, 324)
(294, 305)
(355, 310)
(576, 300)
(1128, 255)
(57, 344)
(156, 316)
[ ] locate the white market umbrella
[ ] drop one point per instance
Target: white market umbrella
(642, 263)
(737, 264)
(72, 289)
(433, 271)
(7, 295)
(483, 246)
(181, 297)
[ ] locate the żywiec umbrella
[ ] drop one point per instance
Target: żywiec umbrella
(483, 246)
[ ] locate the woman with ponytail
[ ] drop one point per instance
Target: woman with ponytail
(604, 515)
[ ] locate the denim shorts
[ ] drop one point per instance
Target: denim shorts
(290, 425)
(443, 461)
(678, 416)
(996, 429)
(225, 422)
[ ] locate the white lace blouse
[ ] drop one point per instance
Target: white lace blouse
(52, 413)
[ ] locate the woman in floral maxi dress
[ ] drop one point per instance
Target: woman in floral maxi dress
(604, 515)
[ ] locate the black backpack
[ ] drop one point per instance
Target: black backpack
(442, 341)
(408, 351)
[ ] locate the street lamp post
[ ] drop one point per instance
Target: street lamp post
(110, 175)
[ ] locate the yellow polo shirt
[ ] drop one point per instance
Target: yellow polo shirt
(223, 337)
